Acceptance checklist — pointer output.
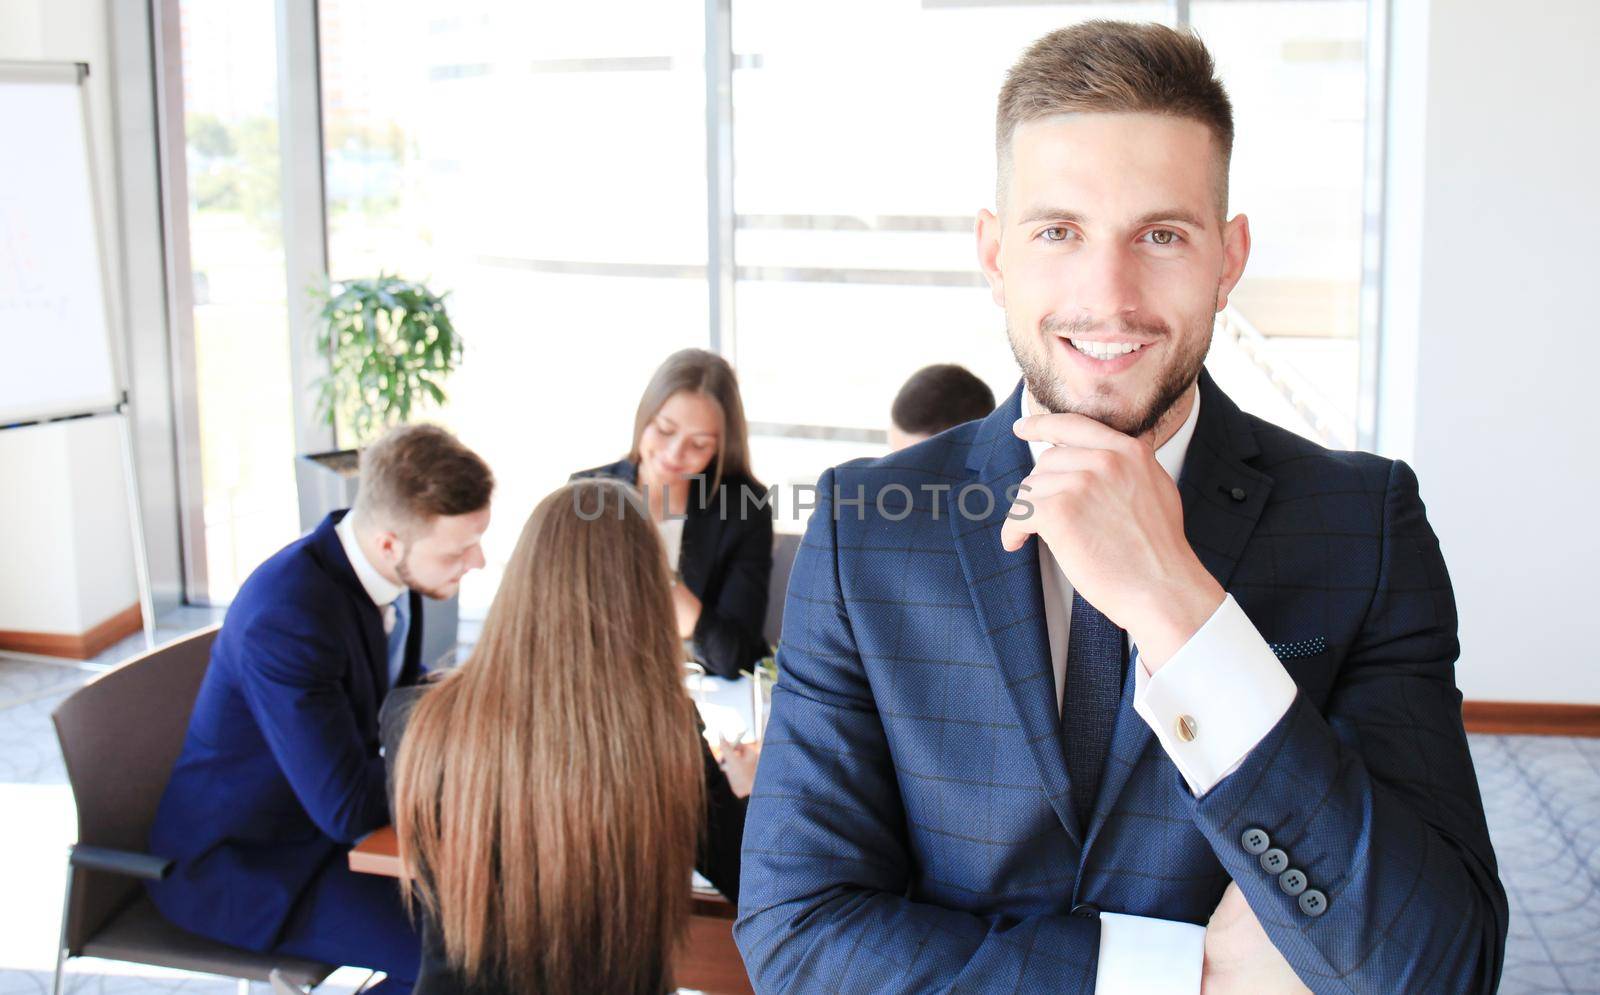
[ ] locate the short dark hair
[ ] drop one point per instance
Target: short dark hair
(940, 397)
(1115, 67)
(416, 473)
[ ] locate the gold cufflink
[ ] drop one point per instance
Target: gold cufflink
(1187, 727)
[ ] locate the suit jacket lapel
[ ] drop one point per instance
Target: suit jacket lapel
(1006, 592)
(371, 617)
(700, 528)
(1222, 496)
(1217, 522)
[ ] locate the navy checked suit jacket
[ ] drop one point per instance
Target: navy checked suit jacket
(911, 828)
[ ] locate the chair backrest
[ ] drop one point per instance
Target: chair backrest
(784, 546)
(120, 736)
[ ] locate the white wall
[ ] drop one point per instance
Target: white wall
(102, 536)
(1506, 340)
(63, 503)
(37, 585)
(64, 528)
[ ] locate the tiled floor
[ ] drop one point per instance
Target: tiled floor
(1542, 795)
(37, 825)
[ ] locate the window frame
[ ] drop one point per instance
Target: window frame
(306, 234)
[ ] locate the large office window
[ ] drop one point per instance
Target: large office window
(1295, 71)
(544, 164)
(241, 342)
(548, 167)
(861, 159)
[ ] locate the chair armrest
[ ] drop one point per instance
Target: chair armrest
(143, 866)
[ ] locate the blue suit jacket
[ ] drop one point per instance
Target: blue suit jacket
(912, 829)
(280, 770)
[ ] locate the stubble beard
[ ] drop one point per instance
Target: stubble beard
(1180, 372)
(403, 568)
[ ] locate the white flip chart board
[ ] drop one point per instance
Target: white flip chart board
(56, 355)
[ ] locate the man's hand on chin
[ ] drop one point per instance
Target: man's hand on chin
(1113, 519)
(1240, 958)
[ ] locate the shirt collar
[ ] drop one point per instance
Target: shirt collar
(1171, 453)
(380, 589)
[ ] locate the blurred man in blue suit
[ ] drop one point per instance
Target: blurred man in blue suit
(280, 772)
(1119, 689)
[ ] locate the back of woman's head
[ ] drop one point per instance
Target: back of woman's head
(548, 793)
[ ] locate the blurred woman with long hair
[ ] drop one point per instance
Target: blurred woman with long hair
(553, 793)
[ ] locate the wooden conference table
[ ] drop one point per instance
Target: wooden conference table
(710, 962)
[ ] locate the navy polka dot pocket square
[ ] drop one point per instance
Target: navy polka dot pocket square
(1298, 648)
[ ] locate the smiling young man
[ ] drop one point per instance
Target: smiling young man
(280, 771)
(1142, 693)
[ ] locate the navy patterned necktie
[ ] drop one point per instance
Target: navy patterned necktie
(1090, 700)
(397, 632)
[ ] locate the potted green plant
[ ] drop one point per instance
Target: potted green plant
(390, 346)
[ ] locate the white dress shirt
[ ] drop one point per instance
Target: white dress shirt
(671, 529)
(1232, 690)
(381, 590)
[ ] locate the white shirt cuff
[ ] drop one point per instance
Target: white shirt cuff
(1218, 696)
(1139, 955)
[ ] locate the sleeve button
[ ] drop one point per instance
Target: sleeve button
(1292, 881)
(1274, 861)
(1255, 841)
(1313, 902)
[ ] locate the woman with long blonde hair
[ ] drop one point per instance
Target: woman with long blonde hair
(550, 794)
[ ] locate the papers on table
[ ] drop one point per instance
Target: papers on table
(729, 708)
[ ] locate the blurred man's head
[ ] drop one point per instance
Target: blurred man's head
(422, 508)
(934, 399)
(1109, 248)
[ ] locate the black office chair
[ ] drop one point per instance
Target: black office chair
(784, 547)
(120, 735)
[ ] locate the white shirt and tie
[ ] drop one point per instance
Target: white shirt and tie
(392, 600)
(1229, 687)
